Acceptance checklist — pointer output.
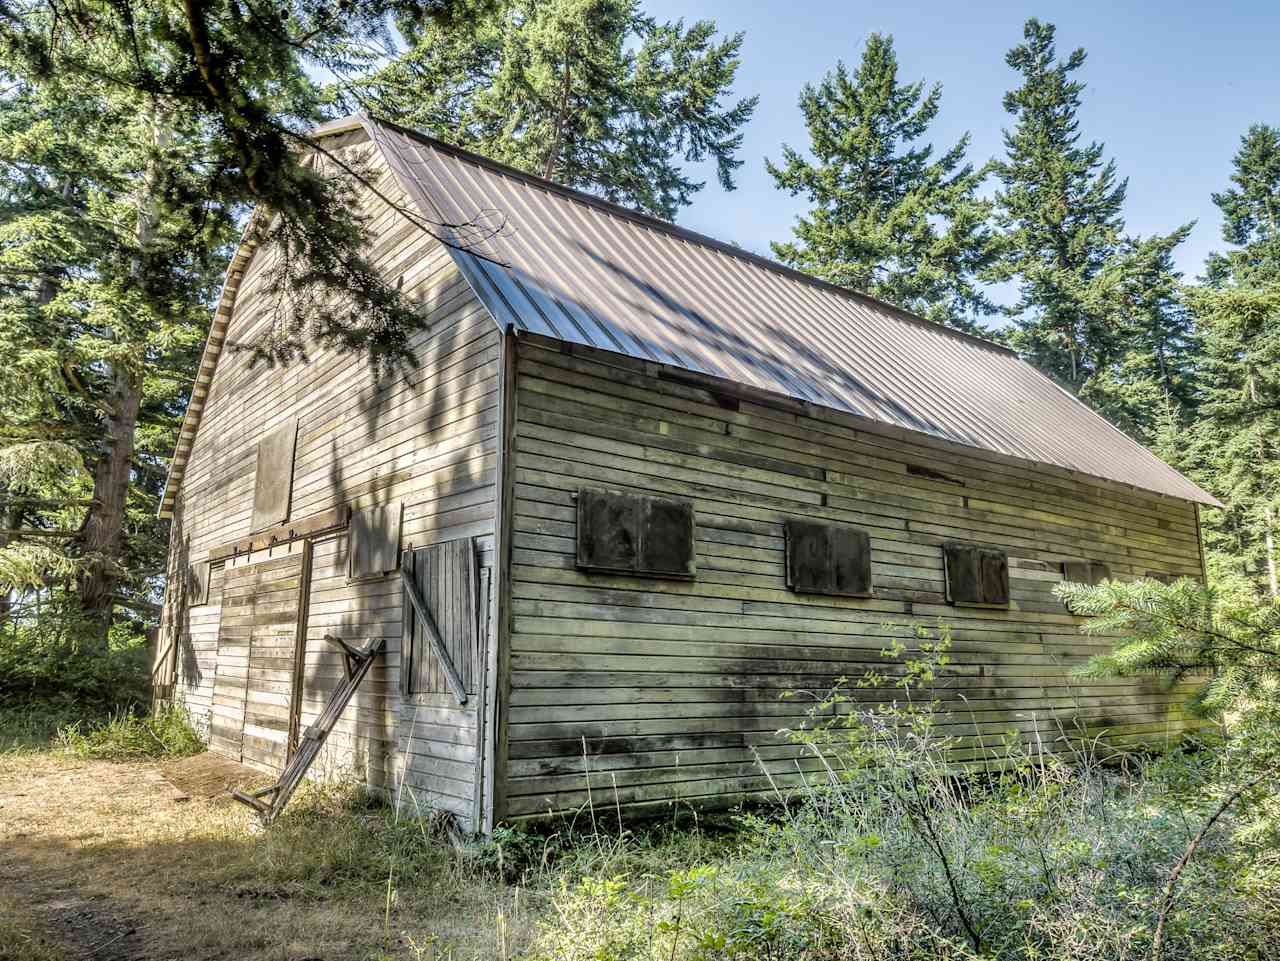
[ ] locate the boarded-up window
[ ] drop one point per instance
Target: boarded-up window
(976, 575)
(446, 577)
(1085, 572)
(635, 534)
(828, 559)
(274, 482)
(198, 576)
(375, 541)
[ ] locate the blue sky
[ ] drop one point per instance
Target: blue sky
(1171, 88)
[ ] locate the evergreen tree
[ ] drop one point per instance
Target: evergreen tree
(236, 76)
(1228, 644)
(590, 93)
(1099, 311)
(1237, 438)
(104, 305)
(1060, 209)
(1233, 448)
(886, 216)
(1251, 212)
(1150, 371)
(135, 137)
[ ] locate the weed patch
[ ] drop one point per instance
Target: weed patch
(132, 736)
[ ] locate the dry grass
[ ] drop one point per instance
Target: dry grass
(102, 858)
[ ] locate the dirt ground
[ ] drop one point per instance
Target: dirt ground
(133, 861)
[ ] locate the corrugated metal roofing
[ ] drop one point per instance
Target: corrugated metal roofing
(572, 267)
(569, 266)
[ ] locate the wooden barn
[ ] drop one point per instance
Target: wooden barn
(640, 483)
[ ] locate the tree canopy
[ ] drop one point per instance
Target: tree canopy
(592, 94)
(886, 216)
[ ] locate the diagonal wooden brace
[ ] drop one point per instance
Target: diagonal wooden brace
(433, 635)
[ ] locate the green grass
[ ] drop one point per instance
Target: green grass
(33, 725)
(21, 939)
(133, 736)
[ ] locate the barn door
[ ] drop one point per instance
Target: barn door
(258, 665)
(446, 578)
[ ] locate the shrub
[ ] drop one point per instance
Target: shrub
(46, 661)
(49, 678)
(888, 853)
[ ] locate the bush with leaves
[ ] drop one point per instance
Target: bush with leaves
(50, 675)
(888, 853)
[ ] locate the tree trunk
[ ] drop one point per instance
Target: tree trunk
(1269, 541)
(102, 536)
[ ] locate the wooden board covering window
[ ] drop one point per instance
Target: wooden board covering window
(976, 575)
(273, 484)
(828, 559)
(198, 577)
(446, 576)
(375, 541)
(632, 534)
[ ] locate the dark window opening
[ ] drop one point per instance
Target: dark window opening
(1085, 572)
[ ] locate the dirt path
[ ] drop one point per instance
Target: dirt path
(117, 862)
(44, 817)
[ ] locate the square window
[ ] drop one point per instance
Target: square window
(635, 534)
(828, 559)
(976, 576)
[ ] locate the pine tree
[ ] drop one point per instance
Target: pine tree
(1251, 212)
(1233, 448)
(1060, 207)
(886, 216)
(590, 93)
(1151, 367)
(1228, 644)
(105, 302)
(135, 137)
(234, 80)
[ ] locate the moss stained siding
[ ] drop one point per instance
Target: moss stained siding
(654, 691)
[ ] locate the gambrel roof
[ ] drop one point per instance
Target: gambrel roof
(563, 264)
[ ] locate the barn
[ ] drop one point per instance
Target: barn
(639, 484)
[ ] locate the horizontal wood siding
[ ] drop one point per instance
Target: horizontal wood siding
(424, 436)
(651, 690)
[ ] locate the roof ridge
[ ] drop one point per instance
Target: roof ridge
(666, 226)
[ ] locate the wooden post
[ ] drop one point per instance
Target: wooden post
(299, 649)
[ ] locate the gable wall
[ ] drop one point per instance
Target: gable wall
(425, 438)
(672, 689)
